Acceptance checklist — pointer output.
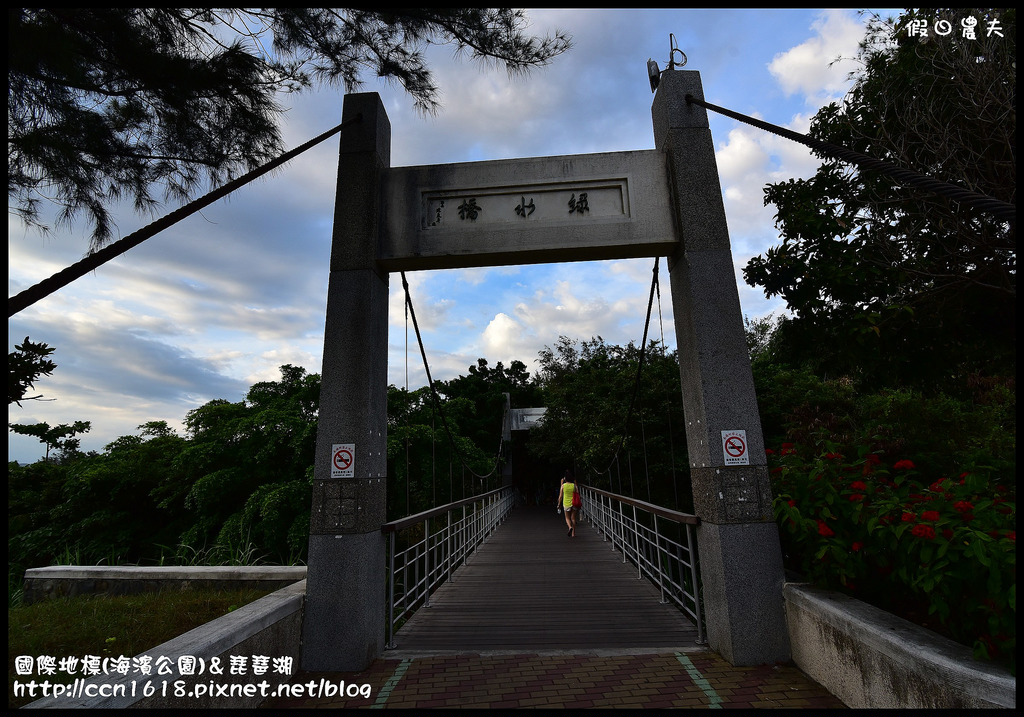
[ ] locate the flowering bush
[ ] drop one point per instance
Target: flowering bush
(917, 546)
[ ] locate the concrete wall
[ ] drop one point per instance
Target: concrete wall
(869, 658)
(271, 626)
(68, 580)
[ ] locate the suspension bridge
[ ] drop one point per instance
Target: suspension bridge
(478, 574)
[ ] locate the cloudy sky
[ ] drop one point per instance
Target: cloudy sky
(222, 299)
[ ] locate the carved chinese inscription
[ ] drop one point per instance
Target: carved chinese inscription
(579, 206)
(469, 210)
(523, 209)
(542, 202)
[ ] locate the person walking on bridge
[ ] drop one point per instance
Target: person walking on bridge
(565, 501)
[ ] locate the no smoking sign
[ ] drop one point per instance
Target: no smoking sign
(343, 460)
(734, 448)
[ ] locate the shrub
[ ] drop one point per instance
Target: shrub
(915, 544)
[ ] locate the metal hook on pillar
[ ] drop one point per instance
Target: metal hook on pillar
(673, 49)
(654, 74)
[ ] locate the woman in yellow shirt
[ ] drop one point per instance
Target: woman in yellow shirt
(565, 501)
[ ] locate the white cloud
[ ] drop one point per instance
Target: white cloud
(503, 339)
(809, 68)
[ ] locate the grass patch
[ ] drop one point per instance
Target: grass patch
(109, 626)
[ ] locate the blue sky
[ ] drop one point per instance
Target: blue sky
(221, 300)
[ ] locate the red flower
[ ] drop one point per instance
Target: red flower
(824, 530)
(904, 465)
(769, 451)
(930, 515)
(791, 503)
(962, 506)
(834, 456)
(968, 517)
(858, 485)
(909, 517)
(857, 546)
(947, 534)
(923, 531)
(872, 459)
(1011, 535)
(937, 485)
(856, 497)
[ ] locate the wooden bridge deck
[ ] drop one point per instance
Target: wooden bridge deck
(531, 588)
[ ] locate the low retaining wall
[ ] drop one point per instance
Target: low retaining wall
(61, 580)
(866, 657)
(869, 658)
(269, 627)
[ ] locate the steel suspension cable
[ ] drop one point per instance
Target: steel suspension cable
(668, 403)
(433, 391)
(96, 259)
(998, 208)
(639, 370)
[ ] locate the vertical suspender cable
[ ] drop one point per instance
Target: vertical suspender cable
(408, 508)
(668, 402)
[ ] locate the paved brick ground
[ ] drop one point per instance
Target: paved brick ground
(697, 680)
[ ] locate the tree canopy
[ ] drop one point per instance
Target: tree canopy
(887, 283)
(114, 103)
(25, 365)
(588, 387)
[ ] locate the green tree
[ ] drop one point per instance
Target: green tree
(110, 103)
(101, 507)
(247, 470)
(887, 283)
(115, 505)
(426, 465)
(25, 365)
(61, 438)
(483, 391)
(588, 388)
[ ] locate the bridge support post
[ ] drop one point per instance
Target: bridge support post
(738, 542)
(344, 617)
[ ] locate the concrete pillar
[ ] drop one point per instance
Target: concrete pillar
(343, 625)
(738, 542)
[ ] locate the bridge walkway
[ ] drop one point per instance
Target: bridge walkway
(538, 619)
(531, 587)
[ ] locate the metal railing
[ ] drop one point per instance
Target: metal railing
(668, 562)
(416, 569)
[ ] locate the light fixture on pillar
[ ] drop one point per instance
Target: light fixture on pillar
(654, 74)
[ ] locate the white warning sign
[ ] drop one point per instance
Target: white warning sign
(343, 460)
(734, 448)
